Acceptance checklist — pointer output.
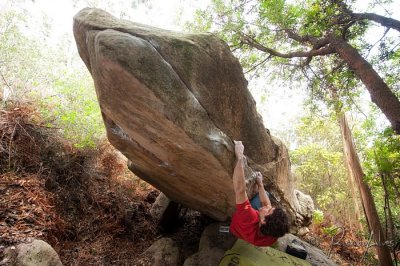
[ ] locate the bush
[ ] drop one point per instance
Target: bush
(318, 217)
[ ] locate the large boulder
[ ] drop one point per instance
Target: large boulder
(173, 103)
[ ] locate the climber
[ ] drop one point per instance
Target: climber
(260, 227)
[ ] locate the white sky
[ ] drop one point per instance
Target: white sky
(163, 13)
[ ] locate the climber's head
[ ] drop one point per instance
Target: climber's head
(273, 221)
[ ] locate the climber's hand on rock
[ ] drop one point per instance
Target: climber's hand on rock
(239, 148)
(259, 179)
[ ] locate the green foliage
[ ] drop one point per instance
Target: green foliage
(318, 162)
(382, 167)
(34, 70)
(19, 55)
(318, 216)
(279, 13)
(331, 231)
(379, 151)
(387, 152)
(75, 110)
(270, 24)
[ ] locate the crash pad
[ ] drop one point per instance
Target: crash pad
(245, 254)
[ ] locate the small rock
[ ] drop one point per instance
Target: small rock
(314, 255)
(303, 231)
(163, 252)
(36, 253)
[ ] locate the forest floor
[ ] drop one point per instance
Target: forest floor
(88, 206)
(89, 220)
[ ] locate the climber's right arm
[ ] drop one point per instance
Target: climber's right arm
(239, 182)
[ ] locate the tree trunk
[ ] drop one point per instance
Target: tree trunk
(388, 212)
(379, 91)
(396, 189)
(357, 212)
(351, 178)
(366, 196)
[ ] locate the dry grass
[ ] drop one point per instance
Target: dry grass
(83, 202)
(26, 209)
(346, 247)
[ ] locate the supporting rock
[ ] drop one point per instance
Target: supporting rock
(165, 211)
(212, 246)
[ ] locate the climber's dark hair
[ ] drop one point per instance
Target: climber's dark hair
(276, 224)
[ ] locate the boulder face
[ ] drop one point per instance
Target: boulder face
(173, 103)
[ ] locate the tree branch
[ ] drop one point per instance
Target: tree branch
(315, 42)
(314, 52)
(383, 36)
(5, 81)
(346, 27)
(384, 21)
(259, 64)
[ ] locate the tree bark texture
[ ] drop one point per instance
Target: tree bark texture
(357, 212)
(389, 230)
(379, 91)
(366, 196)
(341, 117)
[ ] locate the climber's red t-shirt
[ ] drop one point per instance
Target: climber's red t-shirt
(244, 225)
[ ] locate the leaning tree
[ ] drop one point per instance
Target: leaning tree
(293, 34)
